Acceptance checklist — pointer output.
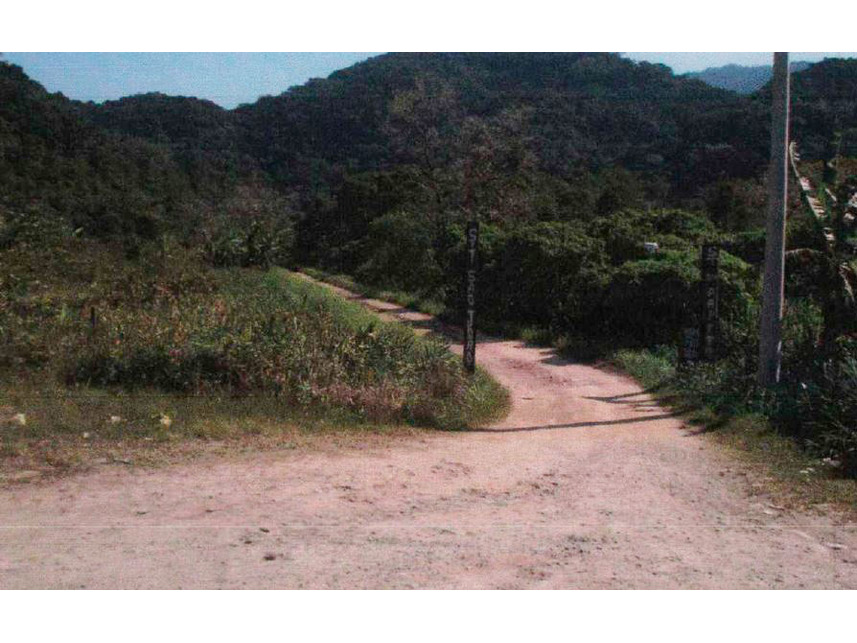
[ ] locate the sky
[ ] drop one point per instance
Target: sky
(227, 79)
(230, 79)
(683, 62)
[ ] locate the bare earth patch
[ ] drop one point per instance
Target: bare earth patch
(586, 484)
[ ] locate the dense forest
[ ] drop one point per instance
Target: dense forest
(572, 163)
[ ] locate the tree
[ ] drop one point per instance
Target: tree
(422, 127)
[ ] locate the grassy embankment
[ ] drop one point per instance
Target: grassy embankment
(114, 360)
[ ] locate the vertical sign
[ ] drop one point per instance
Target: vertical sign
(470, 290)
(709, 320)
(689, 349)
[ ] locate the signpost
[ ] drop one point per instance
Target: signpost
(700, 343)
(689, 351)
(472, 239)
(709, 319)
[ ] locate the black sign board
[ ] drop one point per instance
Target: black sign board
(470, 290)
(689, 350)
(709, 317)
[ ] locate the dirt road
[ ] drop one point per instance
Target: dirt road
(586, 484)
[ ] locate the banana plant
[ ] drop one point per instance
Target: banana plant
(832, 266)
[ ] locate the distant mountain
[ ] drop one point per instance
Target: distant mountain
(740, 79)
(578, 110)
(202, 137)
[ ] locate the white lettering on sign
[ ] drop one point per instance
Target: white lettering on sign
(709, 325)
(470, 319)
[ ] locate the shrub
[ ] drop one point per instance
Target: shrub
(818, 406)
(400, 251)
(35, 226)
(539, 274)
(836, 425)
(748, 246)
(625, 232)
(651, 300)
(253, 228)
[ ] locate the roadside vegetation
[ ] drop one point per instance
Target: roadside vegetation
(101, 350)
(815, 404)
(414, 301)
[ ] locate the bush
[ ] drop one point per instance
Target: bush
(259, 240)
(748, 246)
(818, 406)
(836, 425)
(34, 226)
(539, 274)
(253, 228)
(652, 300)
(625, 232)
(400, 251)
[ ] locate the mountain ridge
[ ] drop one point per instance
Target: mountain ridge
(742, 79)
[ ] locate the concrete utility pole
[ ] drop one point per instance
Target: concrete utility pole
(770, 331)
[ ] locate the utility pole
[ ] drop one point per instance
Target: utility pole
(770, 330)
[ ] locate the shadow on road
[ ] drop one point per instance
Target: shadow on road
(575, 425)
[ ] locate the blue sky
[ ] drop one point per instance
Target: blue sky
(227, 79)
(683, 62)
(230, 79)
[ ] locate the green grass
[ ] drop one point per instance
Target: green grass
(485, 399)
(652, 370)
(182, 353)
(423, 304)
(66, 427)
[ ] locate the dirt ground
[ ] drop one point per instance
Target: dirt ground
(586, 484)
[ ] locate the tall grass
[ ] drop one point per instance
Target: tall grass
(164, 347)
(430, 305)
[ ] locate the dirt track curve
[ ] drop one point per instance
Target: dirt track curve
(586, 484)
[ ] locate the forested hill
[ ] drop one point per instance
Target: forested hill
(558, 129)
(54, 161)
(824, 103)
(574, 110)
(128, 169)
(203, 137)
